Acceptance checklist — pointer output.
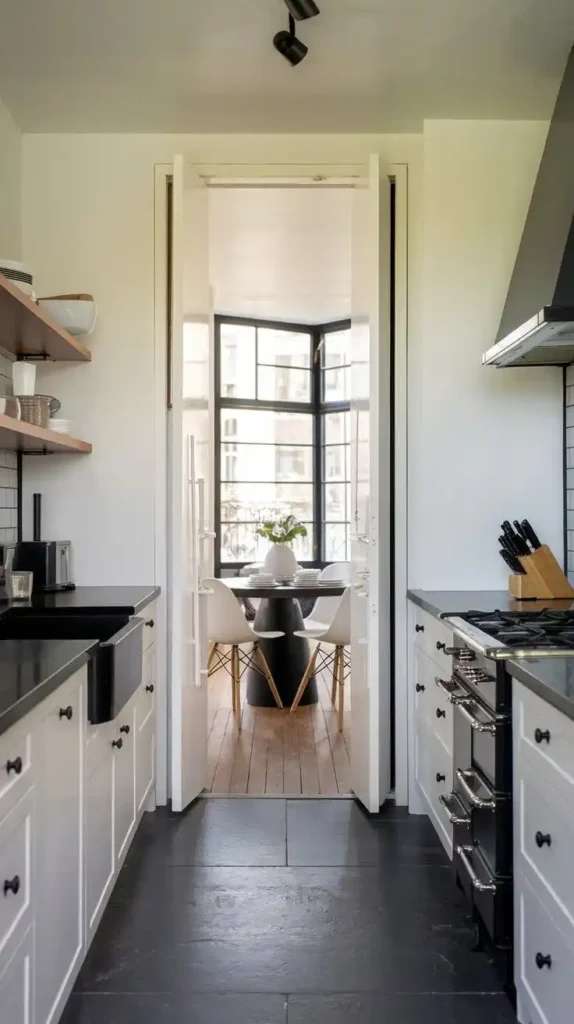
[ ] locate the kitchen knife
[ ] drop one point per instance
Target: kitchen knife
(531, 534)
(509, 545)
(511, 562)
(517, 544)
(521, 532)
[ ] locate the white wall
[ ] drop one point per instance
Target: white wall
(484, 444)
(89, 226)
(10, 186)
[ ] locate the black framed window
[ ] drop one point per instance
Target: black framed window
(282, 436)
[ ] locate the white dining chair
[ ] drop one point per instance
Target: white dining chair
(325, 607)
(228, 627)
(338, 634)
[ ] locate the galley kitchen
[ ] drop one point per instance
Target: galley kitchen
(492, 672)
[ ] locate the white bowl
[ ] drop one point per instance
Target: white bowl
(16, 265)
(78, 316)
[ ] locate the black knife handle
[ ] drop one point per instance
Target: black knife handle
(512, 562)
(520, 531)
(532, 537)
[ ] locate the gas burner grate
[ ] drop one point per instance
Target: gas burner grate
(545, 630)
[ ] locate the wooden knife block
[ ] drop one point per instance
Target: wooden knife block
(543, 578)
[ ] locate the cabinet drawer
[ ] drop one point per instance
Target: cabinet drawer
(149, 615)
(145, 699)
(434, 768)
(431, 702)
(15, 767)
(16, 984)
(546, 840)
(145, 760)
(430, 634)
(548, 735)
(15, 868)
(545, 958)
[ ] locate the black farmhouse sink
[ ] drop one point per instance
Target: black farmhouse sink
(115, 668)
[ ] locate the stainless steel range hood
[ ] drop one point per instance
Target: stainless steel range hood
(537, 324)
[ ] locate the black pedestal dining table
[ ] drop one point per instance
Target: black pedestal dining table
(287, 656)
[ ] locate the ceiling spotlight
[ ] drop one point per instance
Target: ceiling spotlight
(288, 45)
(302, 9)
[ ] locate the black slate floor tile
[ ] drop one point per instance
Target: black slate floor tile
(218, 832)
(175, 1009)
(342, 834)
(399, 1009)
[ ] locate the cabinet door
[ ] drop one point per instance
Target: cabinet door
(123, 746)
(99, 844)
(59, 889)
(145, 732)
(16, 985)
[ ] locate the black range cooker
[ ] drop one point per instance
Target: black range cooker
(480, 805)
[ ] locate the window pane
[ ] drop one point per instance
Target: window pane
(335, 502)
(337, 428)
(240, 543)
(247, 502)
(336, 348)
(237, 361)
(283, 348)
(281, 384)
(336, 385)
(335, 542)
(253, 425)
(303, 546)
(336, 462)
(259, 462)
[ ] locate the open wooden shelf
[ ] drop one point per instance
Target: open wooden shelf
(26, 330)
(21, 436)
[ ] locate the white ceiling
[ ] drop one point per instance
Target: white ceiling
(281, 253)
(209, 65)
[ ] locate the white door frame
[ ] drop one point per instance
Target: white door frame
(285, 173)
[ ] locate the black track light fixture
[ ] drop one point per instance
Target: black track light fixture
(301, 10)
(289, 46)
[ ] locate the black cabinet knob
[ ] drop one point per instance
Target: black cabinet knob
(150, 623)
(12, 885)
(125, 728)
(440, 646)
(440, 713)
(150, 688)
(67, 712)
(419, 688)
(543, 961)
(440, 778)
(118, 743)
(543, 839)
(539, 735)
(14, 766)
(419, 629)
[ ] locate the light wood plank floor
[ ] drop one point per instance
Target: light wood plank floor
(277, 752)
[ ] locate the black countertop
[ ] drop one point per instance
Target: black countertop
(126, 600)
(453, 602)
(31, 670)
(552, 679)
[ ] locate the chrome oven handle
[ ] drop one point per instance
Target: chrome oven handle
(455, 819)
(463, 852)
(476, 801)
(475, 723)
(452, 697)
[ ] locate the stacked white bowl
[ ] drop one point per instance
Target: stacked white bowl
(19, 274)
(262, 579)
(307, 577)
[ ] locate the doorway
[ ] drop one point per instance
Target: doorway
(233, 777)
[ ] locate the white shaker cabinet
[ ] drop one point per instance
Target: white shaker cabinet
(123, 749)
(99, 852)
(59, 868)
(16, 1004)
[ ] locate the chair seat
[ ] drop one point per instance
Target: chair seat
(312, 625)
(312, 634)
(271, 634)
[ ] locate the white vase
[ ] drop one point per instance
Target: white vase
(280, 560)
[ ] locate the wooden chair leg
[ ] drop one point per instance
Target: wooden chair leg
(233, 690)
(211, 656)
(270, 679)
(306, 677)
(341, 668)
(236, 674)
(335, 676)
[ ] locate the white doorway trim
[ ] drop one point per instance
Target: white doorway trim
(277, 176)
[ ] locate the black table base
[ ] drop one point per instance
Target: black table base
(287, 656)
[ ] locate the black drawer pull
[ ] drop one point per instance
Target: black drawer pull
(125, 728)
(12, 885)
(440, 646)
(440, 778)
(118, 743)
(150, 688)
(150, 623)
(419, 629)
(543, 840)
(419, 688)
(440, 713)
(543, 961)
(539, 735)
(15, 766)
(67, 712)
